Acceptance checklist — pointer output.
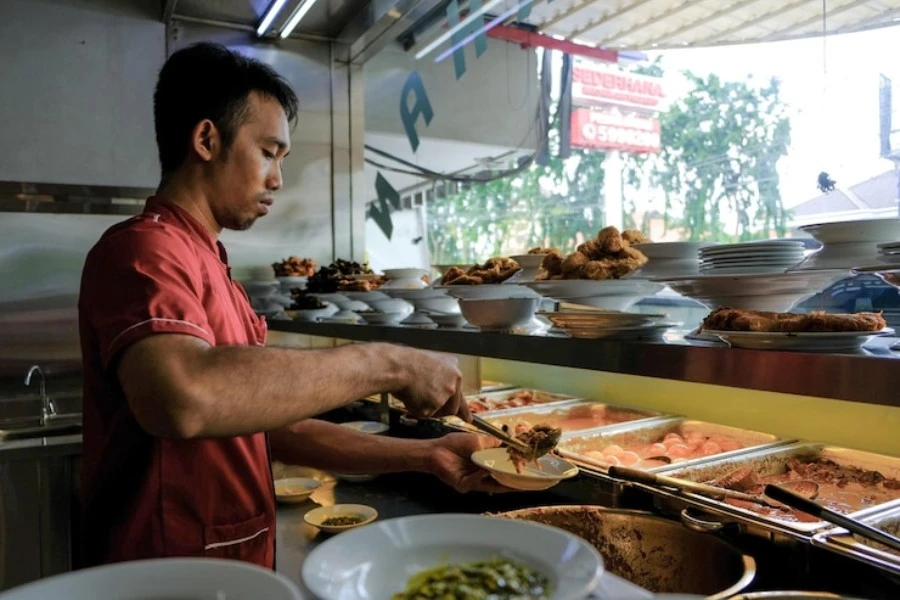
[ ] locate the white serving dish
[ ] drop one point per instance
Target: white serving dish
(194, 578)
(409, 273)
(867, 230)
(312, 314)
(776, 292)
(553, 469)
(672, 250)
(843, 341)
(347, 568)
(294, 490)
(289, 283)
(499, 314)
(317, 516)
(392, 306)
(441, 304)
(489, 291)
(405, 284)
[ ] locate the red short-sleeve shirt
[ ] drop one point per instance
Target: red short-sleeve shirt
(162, 272)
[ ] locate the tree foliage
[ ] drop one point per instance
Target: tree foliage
(717, 173)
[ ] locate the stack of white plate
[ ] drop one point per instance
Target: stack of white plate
(591, 324)
(850, 244)
(750, 258)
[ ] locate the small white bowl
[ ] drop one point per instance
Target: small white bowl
(411, 273)
(553, 470)
(317, 516)
(295, 490)
(499, 314)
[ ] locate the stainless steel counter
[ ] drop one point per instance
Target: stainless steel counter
(867, 378)
(38, 448)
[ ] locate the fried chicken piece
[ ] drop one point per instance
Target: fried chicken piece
(610, 240)
(729, 319)
(551, 265)
(592, 249)
(600, 270)
(452, 274)
(634, 236)
(539, 250)
(467, 280)
(574, 262)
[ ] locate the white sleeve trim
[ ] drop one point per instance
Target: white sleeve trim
(136, 325)
(235, 542)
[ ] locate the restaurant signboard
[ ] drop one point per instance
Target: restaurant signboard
(596, 84)
(597, 129)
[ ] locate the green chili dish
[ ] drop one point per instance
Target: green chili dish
(495, 579)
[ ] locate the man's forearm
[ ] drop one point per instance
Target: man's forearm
(330, 447)
(235, 390)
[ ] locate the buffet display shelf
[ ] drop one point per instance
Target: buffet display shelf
(851, 377)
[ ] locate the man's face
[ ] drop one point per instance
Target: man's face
(246, 178)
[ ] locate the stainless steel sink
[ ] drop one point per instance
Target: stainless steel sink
(33, 429)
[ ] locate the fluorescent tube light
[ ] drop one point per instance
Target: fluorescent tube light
(477, 14)
(270, 15)
(294, 19)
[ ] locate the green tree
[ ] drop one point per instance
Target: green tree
(721, 143)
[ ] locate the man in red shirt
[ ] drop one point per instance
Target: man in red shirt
(181, 399)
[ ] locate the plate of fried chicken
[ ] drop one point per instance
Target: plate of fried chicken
(815, 332)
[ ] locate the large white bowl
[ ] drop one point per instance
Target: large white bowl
(867, 230)
(776, 292)
(194, 578)
(499, 314)
(493, 291)
(376, 561)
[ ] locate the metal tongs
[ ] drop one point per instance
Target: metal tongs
(499, 434)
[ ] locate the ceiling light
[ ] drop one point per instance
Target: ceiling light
(294, 19)
(475, 14)
(269, 16)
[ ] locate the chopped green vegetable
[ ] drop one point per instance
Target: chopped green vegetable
(496, 579)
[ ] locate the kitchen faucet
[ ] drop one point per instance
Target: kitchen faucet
(48, 409)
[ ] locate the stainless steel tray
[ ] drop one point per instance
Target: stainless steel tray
(642, 432)
(770, 461)
(540, 398)
(842, 542)
(506, 417)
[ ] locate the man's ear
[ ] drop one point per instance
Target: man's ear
(206, 142)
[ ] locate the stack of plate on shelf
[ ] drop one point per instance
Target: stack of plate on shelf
(750, 258)
(849, 244)
(669, 259)
(596, 324)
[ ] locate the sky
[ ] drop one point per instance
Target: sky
(831, 87)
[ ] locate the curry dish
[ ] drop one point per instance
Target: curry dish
(496, 579)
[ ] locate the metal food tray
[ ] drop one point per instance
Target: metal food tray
(543, 409)
(840, 541)
(641, 432)
(770, 461)
(540, 398)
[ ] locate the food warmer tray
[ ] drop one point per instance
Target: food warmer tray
(764, 461)
(644, 431)
(840, 541)
(542, 409)
(541, 398)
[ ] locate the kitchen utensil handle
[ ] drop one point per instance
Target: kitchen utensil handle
(817, 510)
(635, 475)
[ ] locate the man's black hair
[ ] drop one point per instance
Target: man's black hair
(209, 81)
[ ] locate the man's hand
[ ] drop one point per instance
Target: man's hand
(431, 385)
(451, 462)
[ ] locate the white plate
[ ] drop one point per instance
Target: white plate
(647, 332)
(760, 246)
(759, 270)
(553, 469)
(785, 256)
(868, 230)
(194, 578)
(295, 490)
(672, 250)
(317, 516)
(600, 319)
(375, 562)
(752, 253)
(844, 341)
